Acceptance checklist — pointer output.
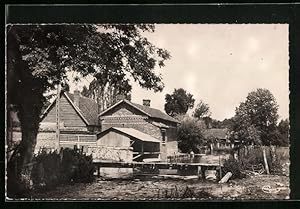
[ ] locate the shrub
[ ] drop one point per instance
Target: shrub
(52, 169)
(233, 166)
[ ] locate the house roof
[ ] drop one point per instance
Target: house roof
(151, 112)
(220, 133)
(131, 132)
(87, 110)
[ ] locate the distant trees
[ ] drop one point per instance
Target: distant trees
(105, 92)
(201, 110)
(255, 119)
(178, 102)
(283, 133)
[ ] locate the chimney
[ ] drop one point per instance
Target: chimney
(120, 97)
(76, 97)
(146, 102)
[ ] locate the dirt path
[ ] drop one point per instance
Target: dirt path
(248, 188)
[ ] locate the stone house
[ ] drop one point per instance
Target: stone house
(143, 118)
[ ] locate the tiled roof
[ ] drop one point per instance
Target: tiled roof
(155, 113)
(135, 134)
(87, 107)
(151, 112)
(220, 133)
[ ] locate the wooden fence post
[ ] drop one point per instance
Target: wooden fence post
(265, 160)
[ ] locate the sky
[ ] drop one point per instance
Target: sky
(221, 63)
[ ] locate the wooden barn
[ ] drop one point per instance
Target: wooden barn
(143, 145)
(142, 119)
(78, 122)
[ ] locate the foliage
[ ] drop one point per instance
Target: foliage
(39, 56)
(201, 110)
(178, 102)
(234, 166)
(255, 119)
(253, 156)
(213, 123)
(190, 135)
(105, 94)
(52, 169)
(283, 133)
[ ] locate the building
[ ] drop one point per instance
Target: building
(78, 123)
(145, 131)
(218, 138)
(140, 145)
(146, 120)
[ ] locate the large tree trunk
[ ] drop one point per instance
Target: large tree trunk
(29, 114)
(26, 92)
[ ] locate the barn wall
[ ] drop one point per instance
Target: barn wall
(114, 139)
(68, 116)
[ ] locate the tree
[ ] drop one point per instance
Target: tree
(201, 110)
(283, 133)
(38, 57)
(179, 102)
(105, 91)
(190, 135)
(255, 119)
(85, 91)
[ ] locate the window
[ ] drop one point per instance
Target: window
(163, 134)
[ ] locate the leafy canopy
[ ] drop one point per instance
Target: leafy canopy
(201, 110)
(178, 102)
(39, 57)
(190, 135)
(255, 119)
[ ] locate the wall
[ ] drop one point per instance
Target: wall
(68, 116)
(120, 154)
(47, 140)
(44, 139)
(123, 109)
(114, 139)
(138, 124)
(172, 148)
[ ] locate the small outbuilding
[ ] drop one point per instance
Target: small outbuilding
(144, 146)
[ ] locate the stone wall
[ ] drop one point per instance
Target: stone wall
(119, 154)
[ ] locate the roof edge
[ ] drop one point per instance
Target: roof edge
(118, 103)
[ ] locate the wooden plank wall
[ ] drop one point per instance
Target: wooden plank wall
(68, 115)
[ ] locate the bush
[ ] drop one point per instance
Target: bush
(233, 166)
(52, 169)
